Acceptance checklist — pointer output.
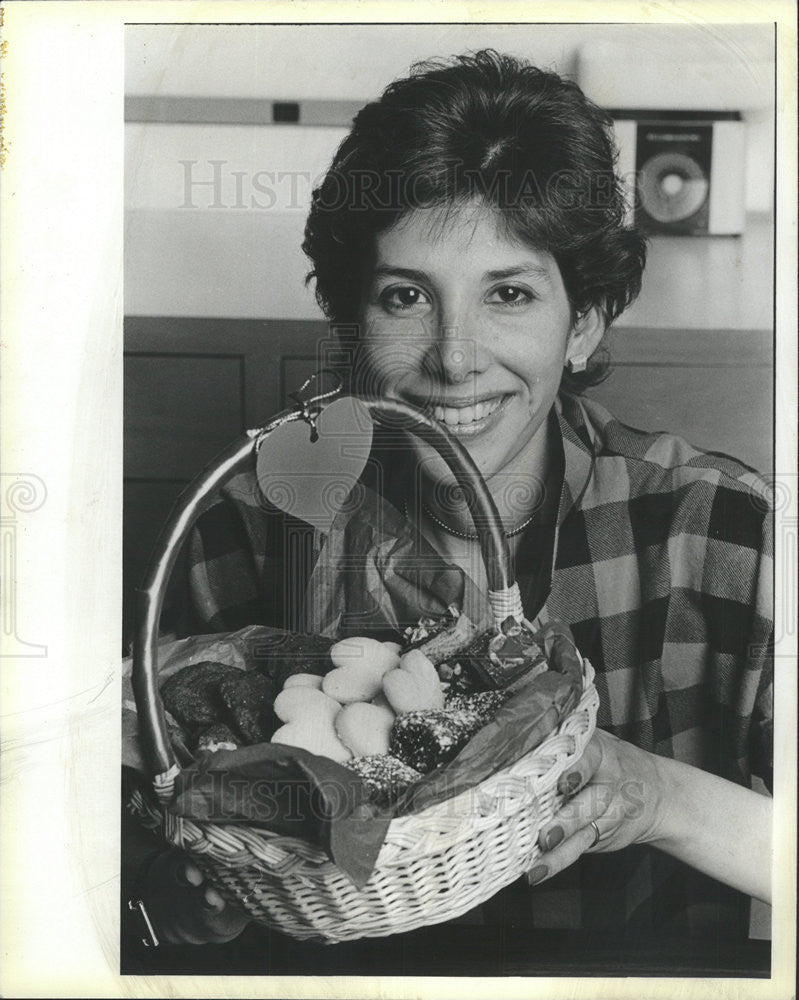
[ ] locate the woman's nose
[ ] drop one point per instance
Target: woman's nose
(455, 354)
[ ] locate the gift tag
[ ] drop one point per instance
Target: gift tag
(312, 472)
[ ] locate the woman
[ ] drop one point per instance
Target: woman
(468, 243)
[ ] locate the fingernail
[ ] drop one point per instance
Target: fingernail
(537, 874)
(211, 901)
(553, 838)
(193, 875)
(573, 783)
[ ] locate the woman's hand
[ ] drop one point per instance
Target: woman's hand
(620, 788)
(183, 908)
(636, 797)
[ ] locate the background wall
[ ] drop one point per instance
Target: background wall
(204, 238)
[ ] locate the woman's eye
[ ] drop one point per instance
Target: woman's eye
(510, 295)
(402, 298)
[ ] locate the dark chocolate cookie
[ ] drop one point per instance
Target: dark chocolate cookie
(280, 654)
(384, 776)
(484, 703)
(248, 699)
(426, 739)
(192, 694)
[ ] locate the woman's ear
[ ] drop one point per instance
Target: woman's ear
(586, 334)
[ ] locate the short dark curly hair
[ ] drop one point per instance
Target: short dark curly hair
(524, 140)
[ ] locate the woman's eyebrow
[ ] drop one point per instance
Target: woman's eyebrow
(517, 271)
(388, 271)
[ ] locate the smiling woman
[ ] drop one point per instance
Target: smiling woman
(469, 247)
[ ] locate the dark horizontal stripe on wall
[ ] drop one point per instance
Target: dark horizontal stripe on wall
(650, 114)
(156, 479)
(239, 111)
(687, 364)
(183, 354)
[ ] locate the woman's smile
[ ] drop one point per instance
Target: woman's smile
(466, 417)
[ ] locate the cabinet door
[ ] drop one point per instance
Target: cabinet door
(712, 387)
(191, 387)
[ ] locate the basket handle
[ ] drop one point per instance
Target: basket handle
(201, 492)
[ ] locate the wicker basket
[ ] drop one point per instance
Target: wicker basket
(433, 865)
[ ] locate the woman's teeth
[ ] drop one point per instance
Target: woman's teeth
(456, 416)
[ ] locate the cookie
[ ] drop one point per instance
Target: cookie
(192, 694)
(442, 640)
(425, 740)
(364, 729)
(248, 699)
(283, 654)
(384, 776)
(483, 703)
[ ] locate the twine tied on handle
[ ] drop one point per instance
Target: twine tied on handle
(307, 409)
(506, 603)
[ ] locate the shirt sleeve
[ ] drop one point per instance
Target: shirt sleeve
(718, 664)
(751, 726)
(761, 663)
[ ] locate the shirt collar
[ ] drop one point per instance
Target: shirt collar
(580, 444)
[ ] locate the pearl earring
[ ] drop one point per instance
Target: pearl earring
(578, 363)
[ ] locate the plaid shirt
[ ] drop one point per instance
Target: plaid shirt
(663, 567)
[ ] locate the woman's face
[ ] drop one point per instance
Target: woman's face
(473, 326)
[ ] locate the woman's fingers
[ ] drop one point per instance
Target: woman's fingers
(185, 908)
(565, 854)
(209, 918)
(575, 814)
(578, 776)
(213, 901)
(621, 791)
(183, 871)
(224, 921)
